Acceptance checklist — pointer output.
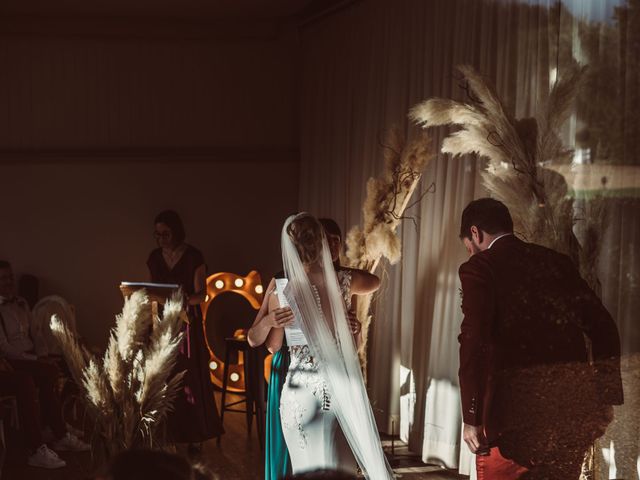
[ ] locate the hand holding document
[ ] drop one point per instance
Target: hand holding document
(293, 333)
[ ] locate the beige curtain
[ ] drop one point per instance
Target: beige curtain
(362, 69)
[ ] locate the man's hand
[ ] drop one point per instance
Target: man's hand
(281, 317)
(354, 324)
(475, 439)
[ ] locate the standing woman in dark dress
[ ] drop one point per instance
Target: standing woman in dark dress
(195, 417)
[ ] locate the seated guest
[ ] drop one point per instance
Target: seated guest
(21, 386)
(16, 346)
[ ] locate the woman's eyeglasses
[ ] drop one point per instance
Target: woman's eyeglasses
(162, 235)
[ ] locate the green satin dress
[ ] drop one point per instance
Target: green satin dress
(277, 464)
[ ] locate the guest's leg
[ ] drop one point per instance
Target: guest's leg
(21, 386)
(277, 464)
(46, 377)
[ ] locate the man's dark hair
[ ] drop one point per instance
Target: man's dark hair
(489, 215)
(4, 265)
(172, 220)
(331, 227)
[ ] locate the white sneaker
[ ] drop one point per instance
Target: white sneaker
(45, 458)
(70, 443)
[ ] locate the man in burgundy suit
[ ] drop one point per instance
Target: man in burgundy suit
(532, 402)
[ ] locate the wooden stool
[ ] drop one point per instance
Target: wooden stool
(254, 385)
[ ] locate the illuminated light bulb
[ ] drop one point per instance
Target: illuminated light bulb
(259, 289)
(213, 365)
(219, 284)
(234, 377)
(239, 282)
(206, 297)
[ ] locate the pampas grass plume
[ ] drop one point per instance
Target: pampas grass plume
(131, 390)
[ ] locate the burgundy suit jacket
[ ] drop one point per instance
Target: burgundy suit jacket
(523, 348)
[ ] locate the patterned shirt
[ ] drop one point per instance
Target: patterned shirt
(15, 324)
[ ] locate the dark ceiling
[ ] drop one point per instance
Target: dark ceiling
(200, 9)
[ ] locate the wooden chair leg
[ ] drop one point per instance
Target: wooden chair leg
(225, 377)
(260, 422)
(248, 387)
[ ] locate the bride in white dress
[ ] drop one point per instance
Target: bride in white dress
(309, 424)
(326, 416)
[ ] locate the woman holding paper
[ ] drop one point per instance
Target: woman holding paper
(195, 417)
(272, 317)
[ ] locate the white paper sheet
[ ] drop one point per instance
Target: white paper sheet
(150, 285)
(293, 333)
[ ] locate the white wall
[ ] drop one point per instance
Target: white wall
(98, 134)
(82, 228)
(76, 90)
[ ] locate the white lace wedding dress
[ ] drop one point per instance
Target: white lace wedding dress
(309, 423)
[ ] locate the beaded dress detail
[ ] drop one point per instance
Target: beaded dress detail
(305, 405)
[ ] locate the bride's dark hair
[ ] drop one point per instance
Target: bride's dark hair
(306, 234)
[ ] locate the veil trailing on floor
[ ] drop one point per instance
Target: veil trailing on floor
(315, 298)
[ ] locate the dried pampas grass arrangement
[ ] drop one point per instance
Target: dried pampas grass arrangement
(130, 391)
(518, 150)
(386, 200)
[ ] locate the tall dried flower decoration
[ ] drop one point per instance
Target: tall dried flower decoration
(131, 390)
(386, 200)
(517, 150)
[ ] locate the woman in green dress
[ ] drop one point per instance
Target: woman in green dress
(277, 464)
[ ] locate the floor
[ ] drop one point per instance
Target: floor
(237, 457)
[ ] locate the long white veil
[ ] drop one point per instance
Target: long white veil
(316, 301)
